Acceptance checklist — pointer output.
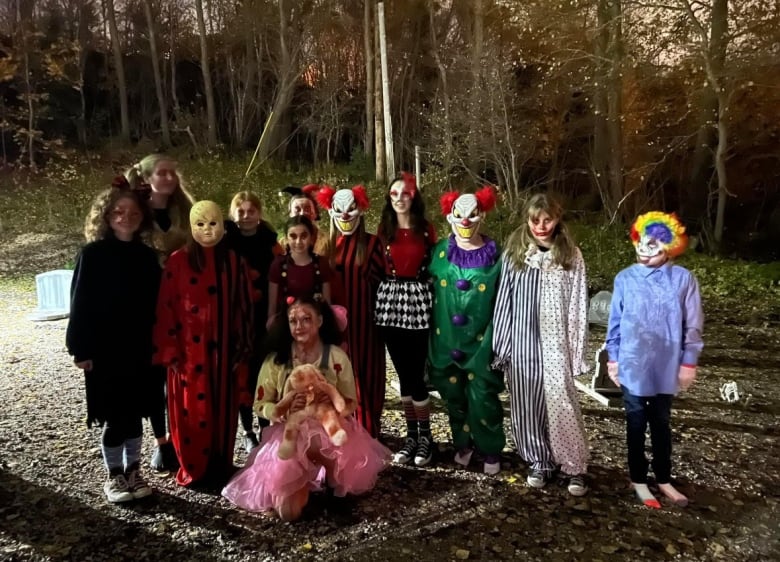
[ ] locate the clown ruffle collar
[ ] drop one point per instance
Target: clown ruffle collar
(470, 259)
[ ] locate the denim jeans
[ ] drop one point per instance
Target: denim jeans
(655, 410)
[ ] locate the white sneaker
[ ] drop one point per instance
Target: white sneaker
(117, 490)
(577, 486)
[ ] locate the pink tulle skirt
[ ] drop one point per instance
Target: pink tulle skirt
(266, 480)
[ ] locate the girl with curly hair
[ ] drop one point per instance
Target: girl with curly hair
(113, 296)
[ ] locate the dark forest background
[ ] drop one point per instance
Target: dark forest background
(618, 105)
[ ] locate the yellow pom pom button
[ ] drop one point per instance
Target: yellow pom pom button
(471, 376)
(466, 428)
(453, 380)
(442, 254)
(482, 287)
(443, 283)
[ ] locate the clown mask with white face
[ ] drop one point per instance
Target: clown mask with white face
(465, 217)
(207, 224)
(651, 252)
(345, 212)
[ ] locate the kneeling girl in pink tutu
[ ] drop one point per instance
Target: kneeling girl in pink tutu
(306, 334)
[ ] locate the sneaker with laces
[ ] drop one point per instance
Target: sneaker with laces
(117, 489)
(536, 479)
(250, 441)
(577, 485)
(406, 453)
(138, 486)
(424, 453)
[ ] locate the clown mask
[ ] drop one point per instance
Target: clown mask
(465, 217)
(650, 252)
(345, 212)
(207, 223)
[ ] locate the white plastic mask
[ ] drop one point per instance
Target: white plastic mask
(465, 217)
(650, 252)
(207, 223)
(345, 212)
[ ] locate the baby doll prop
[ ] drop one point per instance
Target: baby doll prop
(323, 402)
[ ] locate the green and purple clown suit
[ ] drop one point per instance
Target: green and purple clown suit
(465, 283)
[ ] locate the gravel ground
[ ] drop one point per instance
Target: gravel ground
(52, 506)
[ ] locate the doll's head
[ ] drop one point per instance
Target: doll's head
(658, 237)
(207, 223)
(466, 211)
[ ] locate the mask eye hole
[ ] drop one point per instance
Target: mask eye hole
(456, 214)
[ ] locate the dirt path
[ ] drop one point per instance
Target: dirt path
(728, 462)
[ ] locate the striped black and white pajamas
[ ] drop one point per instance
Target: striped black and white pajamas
(539, 337)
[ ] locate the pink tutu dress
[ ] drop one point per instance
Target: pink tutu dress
(266, 480)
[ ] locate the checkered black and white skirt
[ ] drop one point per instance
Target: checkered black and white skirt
(404, 304)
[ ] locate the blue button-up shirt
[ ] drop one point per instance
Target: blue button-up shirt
(655, 325)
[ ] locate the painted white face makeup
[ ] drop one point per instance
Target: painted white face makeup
(401, 197)
(345, 212)
(465, 218)
(206, 223)
(542, 227)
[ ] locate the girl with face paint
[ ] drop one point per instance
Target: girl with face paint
(305, 334)
(654, 341)
(170, 204)
(403, 309)
(254, 239)
(299, 272)
(109, 333)
(358, 262)
(203, 338)
(539, 343)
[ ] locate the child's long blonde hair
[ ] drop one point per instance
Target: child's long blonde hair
(564, 249)
(242, 197)
(179, 203)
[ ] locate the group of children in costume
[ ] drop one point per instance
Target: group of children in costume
(231, 315)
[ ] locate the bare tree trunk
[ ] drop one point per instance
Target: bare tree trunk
(120, 71)
(172, 49)
(600, 155)
(716, 58)
(615, 104)
(288, 75)
(166, 134)
(476, 84)
(368, 53)
(28, 87)
(83, 42)
(445, 95)
(379, 123)
(211, 115)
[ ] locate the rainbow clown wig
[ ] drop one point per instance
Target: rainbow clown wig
(664, 228)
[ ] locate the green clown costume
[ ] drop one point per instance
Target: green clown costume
(465, 270)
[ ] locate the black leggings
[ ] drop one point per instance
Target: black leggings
(245, 412)
(409, 351)
(159, 402)
(121, 427)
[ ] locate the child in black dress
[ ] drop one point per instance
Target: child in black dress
(255, 240)
(113, 298)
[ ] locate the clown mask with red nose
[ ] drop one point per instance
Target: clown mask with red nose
(344, 206)
(465, 212)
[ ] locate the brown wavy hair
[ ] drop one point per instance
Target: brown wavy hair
(96, 225)
(564, 249)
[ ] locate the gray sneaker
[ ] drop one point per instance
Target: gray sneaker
(117, 490)
(406, 454)
(137, 485)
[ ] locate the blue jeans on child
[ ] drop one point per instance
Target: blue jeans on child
(655, 410)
